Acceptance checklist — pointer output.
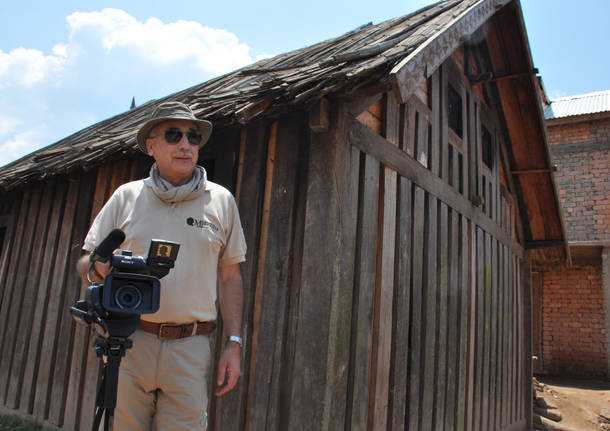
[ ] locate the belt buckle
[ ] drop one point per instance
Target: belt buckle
(161, 327)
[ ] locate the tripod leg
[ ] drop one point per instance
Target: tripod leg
(108, 420)
(99, 398)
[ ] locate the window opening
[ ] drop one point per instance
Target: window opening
(487, 148)
(454, 111)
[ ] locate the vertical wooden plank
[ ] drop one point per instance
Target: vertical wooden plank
(497, 197)
(465, 316)
(493, 337)
(391, 129)
(119, 171)
(527, 340)
(399, 376)
(342, 296)
(501, 337)
(364, 286)
(71, 287)
(466, 141)
(520, 341)
(101, 194)
(335, 397)
(230, 409)
(255, 414)
(326, 284)
(513, 341)
(40, 307)
(14, 311)
(430, 313)
(416, 340)
(10, 239)
(243, 139)
(499, 334)
(477, 161)
(487, 333)
(471, 178)
(454, 338)
(384, 289)
(443, 125)
(273, 292)
(56, 294)
(439, 135)
(473, 279)
(409, 131)
(480, 330)
(31, 287)
(509, 336)
(382, 333)
(442, 300)
(9, 280)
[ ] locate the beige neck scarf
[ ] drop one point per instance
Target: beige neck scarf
(170, 193)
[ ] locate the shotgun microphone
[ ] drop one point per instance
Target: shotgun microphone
(103, 252)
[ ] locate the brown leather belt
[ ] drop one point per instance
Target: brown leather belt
(168, 331)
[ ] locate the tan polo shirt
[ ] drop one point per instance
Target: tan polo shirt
(207, 228)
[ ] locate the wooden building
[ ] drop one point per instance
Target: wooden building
(394, 186)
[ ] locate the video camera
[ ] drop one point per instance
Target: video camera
(132, 287)
(114, 307)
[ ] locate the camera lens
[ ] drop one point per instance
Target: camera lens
(128, 297)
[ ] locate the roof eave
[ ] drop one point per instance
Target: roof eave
(424, 60)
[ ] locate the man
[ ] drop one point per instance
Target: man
(163, 378)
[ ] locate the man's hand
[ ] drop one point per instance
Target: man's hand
(228, 368)
(100, 271)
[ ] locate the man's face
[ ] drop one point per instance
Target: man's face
(175, 161)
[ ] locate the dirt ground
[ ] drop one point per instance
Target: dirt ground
(580, 402)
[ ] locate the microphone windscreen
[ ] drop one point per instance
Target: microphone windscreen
(104, 250)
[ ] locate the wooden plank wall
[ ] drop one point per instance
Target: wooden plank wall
(377, 296)
(46, 364)
(441, 284)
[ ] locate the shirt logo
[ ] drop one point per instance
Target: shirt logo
(201, 224)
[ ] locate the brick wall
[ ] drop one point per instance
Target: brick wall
(573, 334)
(581, 152)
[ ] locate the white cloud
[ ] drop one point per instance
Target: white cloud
(106, 57)
(20, 144)
(212, 50)
(28, 67)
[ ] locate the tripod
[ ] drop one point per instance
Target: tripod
(113, 348)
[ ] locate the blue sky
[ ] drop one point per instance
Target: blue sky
(67, 64)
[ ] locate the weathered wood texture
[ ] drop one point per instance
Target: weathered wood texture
(458, 318)
(44, 355)
(377, 294)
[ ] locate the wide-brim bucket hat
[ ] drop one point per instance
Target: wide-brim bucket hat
(172, 111)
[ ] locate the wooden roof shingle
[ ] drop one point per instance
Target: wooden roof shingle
(345, 63)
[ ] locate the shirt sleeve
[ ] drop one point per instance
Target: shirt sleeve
(104, 222)
(234, 250)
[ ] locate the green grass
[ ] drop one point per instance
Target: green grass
(14, 423)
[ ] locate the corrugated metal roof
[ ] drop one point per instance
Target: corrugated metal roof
(582, 104)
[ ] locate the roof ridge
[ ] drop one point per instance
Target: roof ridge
(581, 96)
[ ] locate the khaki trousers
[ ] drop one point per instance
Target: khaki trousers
(163, 384)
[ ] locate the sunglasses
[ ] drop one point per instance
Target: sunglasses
(173, 135)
